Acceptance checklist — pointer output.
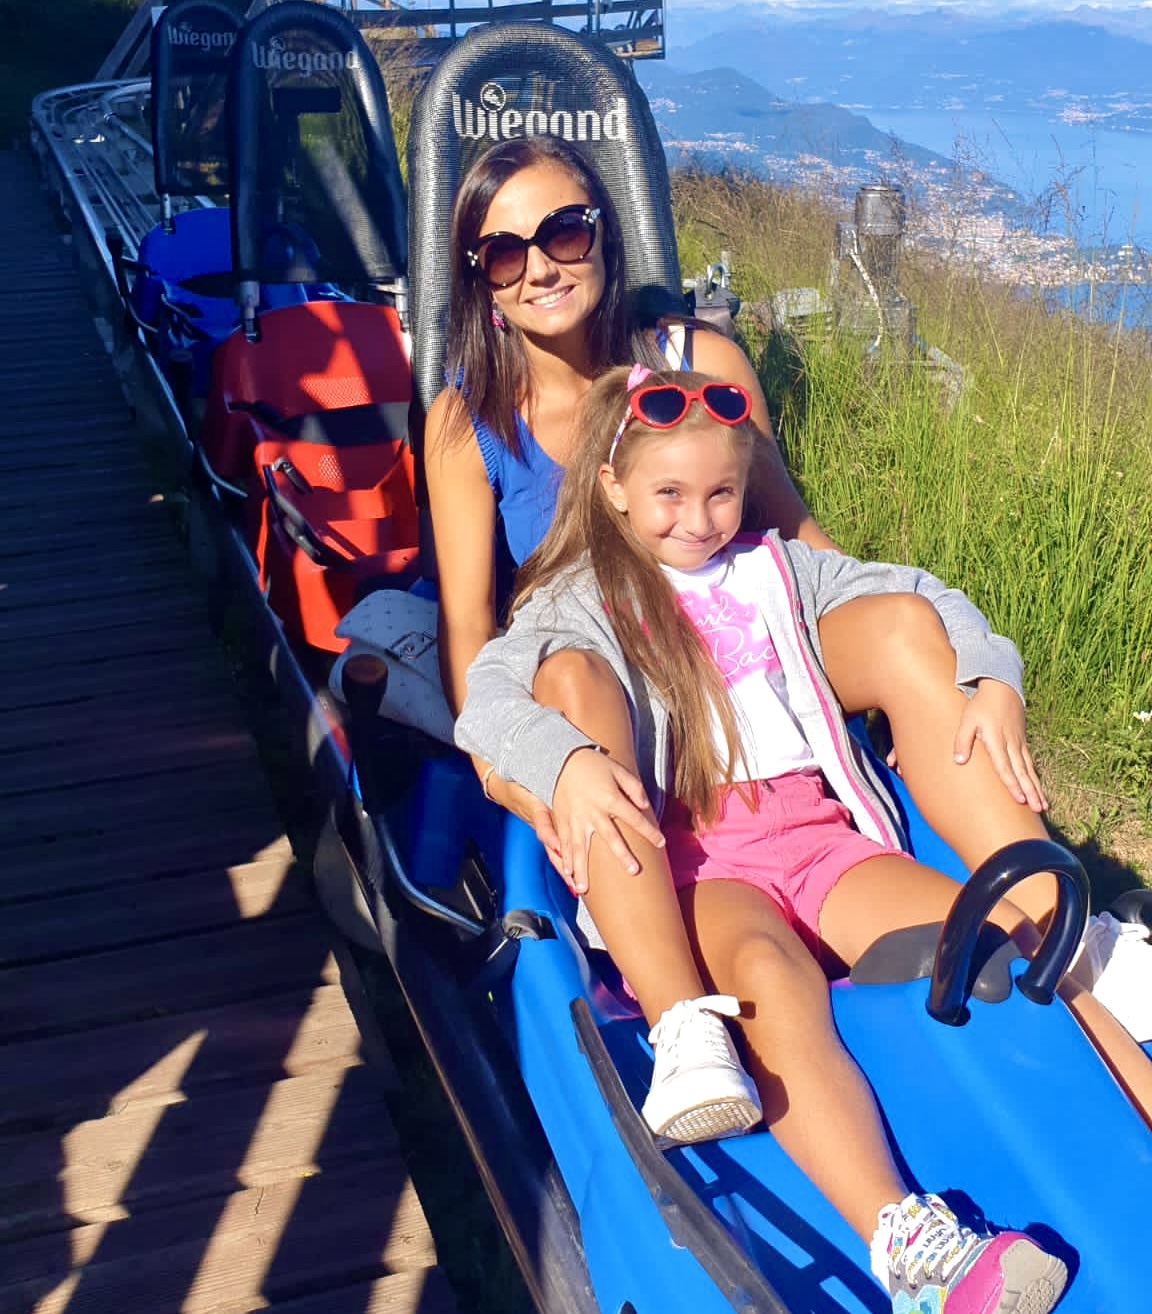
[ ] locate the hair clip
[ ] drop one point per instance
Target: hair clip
(636, 376)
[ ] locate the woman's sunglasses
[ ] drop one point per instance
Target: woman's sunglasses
(664, 405)
(565, 236)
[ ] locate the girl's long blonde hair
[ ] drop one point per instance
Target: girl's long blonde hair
(654, 632)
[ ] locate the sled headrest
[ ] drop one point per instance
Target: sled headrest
(312, 144)
(191, 51)
(514, 80)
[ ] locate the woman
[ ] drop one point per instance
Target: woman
(539, 310)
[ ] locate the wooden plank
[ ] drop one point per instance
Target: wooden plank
(56, 442)
(119, 589)
(127, 747)
(143, 1064)
(106, 479)
(87, 373)
(194, 672)
(150, 910)
(75, 336)
(213, 1256)
(65, 406)
(39, 729)
(88, 611)
(262, 957)
(89, 862)
(45, 430)
(120, 555)
(31, 535)
(65, 652)
(127, 756)
(248, 1136)
(64, 449)
(401, 1293)
(180, 1007)
(102, 807)
(61, 518)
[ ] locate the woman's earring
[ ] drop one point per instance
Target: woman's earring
(498, 320)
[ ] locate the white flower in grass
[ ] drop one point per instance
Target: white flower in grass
(1142, 717)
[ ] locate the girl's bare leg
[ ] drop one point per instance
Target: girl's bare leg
(886, 893)
(891, 651)
(816, 1100)
(638, 915)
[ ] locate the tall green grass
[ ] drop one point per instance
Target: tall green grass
(1032, 491)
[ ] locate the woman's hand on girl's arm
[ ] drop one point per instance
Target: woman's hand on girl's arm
(995, 716)
(594, 795)
(524, 804)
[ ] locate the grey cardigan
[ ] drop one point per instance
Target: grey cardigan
(796, 585)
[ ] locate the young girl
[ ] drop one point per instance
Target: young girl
(713, 636)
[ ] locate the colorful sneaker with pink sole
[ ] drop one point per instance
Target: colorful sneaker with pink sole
(931, 1264)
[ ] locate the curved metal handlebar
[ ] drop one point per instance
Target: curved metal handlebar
(364, 682)
(989, 883)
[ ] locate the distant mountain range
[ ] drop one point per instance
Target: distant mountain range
(781, 90)
(868, 60)
(723, 115)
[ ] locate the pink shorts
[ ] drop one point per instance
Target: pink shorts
(795, 844)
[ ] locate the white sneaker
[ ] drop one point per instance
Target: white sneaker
(699, 1090)
(1114, 963)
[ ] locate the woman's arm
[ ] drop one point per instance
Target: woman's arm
(500, 721)
(463, 510)
(588, 793)
(713, 353)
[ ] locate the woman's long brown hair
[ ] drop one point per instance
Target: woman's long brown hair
(654, 632)
(489, 362)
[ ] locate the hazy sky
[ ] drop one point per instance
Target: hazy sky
(982, 6)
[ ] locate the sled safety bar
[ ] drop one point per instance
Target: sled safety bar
(295, 524)
(989, 883)
(122, 266)
(364, 682)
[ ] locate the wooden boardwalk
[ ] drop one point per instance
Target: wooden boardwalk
(190, 1118)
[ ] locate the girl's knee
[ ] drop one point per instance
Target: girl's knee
(570, 679)
(771, 969)
(911, 627)
(883, 649)
(910, 648)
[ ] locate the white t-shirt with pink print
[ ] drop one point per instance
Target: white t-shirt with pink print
(734, 630)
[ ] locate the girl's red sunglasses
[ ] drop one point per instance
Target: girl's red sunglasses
(664, 405)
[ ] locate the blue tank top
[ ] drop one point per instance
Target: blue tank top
(526, 486)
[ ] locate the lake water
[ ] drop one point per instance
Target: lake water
(1103, 174)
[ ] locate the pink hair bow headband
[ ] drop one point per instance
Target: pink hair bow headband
(636, 376)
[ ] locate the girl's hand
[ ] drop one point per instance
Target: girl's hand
(593, 795)
(995, 716)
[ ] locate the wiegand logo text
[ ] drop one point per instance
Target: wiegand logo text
(183, 34)
(493, 118)
(277, 54)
